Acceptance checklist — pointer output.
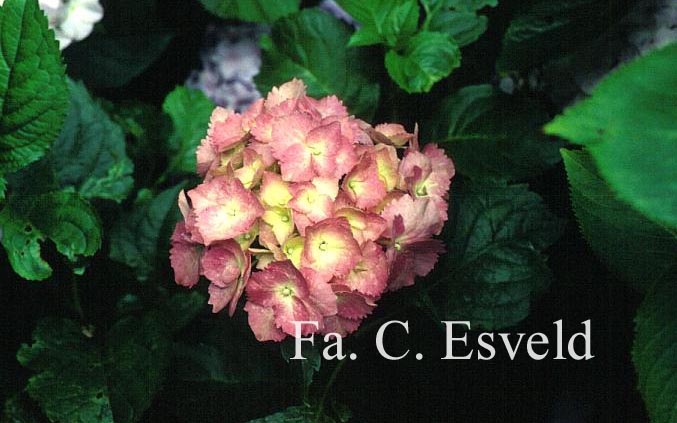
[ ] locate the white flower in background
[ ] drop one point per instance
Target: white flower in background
(72, 20)
(76, 20)
(230, 60)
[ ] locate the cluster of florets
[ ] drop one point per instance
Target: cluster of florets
(310, 211)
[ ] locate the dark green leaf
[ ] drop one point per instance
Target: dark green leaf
(17, 411)
(89, 155)
(183, 307)
(312, 46)
(252, 10)
(190, 111)
(137, 354)
(494, 136)
(70, 381)
(33, 93)
(464, 27)
(496, 261)
(112, 60)
(63, 217)
(629, 126)
(427, 58)
(135, 239)
(22, 244)
(655, 349)
(550, 29)
(632, 245)
(300, 414)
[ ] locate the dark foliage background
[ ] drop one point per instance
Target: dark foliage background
(375, 390)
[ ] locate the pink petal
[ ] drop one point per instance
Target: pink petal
(262, 322)
(363, 185)
(330, 247)
(421, 219)
(225, 129)
(370, 275)
(224, 209)
(222, 263)
(323, 143)
(184, 257)
(278, 283)
(220, 297)
(395, 132)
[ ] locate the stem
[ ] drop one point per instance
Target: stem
(327, 387)
(75, 292)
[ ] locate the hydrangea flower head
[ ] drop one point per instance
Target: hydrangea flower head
(309, 212)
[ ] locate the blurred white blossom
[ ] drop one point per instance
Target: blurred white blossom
(230, 60)
(71, 20)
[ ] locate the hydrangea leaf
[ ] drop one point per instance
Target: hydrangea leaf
(89, 154)
(77, 380)
(66, 219)
(190, 111)
(33, 93)
(216, 358)
(299, 414)
(16, 410)
(549, 29)
(632, 245)
(113, 60)
(388, 22)
(457, 18)
(655, 349)
(183, 307)
(496, 264)
(3, 188)
(629, 126)
(464, 27)
(138, 351)
(311, 46)
(22, 243)
(70, 381)
(493, 136)
(63, 217)
(252, 10)
(427, 58)
(136, 238)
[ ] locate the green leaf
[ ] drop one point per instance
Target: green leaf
(70, 381)
(655, 350)
(633, 246)
(493, 136)
(63, 217)
(33, 93)
(78, 381)
(496, 261)
(390, 22)
(190, 111)
(550, 29)
(427, 58)
(464, 27)
(183, 307)
(22, 243)
(89, 155)
(138, 351)
(252, 10)
(312, 46)
(3, 188)
(629, 126)
(135, 238)
(298, 414)
(113, 60)
(17, 411)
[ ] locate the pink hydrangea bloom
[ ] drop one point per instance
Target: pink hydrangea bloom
(310, 212)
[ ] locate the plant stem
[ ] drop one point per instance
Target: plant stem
(75, 292)
(327, 387)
